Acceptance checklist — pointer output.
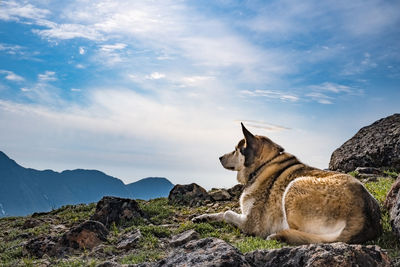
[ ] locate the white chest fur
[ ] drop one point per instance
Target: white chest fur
(246, 202)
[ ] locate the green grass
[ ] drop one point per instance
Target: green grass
(72, 214)
(76, 262)
(143, 256)
(380, 188)
(250, 243)
(157, 210)
(391, 173)
(155, 230)
(387, 240)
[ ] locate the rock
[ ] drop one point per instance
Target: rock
(129, 240)
(392, 203)
(376, 145)
(111, 210)
(190, 194)
(183, 238)
(85, 236)
(205, 252)
(109, 264)
(40, 246)
(335, 254)
(392, 194)
(236, 191)
(30, 223)
(220, 195)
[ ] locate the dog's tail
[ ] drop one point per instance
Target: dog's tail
(297, 237)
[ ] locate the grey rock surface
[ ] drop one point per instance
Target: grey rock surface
(220, 195)
(129, 240)
(392, 203)
(205, 252)
(183, 238)
(376, 145)
(111, 210)
(320, 255)
(189, 194)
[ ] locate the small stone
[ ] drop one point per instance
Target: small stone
(220, 195)
(129, 240)
(183, 238)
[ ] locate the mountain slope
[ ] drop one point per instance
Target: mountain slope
(151, 187)
(24, 190)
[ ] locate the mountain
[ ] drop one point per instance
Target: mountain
(152, 186)
(24, 191)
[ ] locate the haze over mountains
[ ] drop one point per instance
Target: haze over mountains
(24, 190)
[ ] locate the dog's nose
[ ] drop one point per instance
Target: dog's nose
(220, 158)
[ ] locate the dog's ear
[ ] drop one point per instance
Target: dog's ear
(247, 135)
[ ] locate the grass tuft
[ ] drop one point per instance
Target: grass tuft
(158, 210)
(250, 243)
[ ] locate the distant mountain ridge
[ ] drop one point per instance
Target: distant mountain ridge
(24, 190)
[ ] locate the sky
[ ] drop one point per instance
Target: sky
(158, 88)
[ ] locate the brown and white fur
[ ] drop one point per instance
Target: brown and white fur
(287, 200)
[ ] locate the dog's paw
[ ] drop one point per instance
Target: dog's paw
(200, 218)
(276, 237)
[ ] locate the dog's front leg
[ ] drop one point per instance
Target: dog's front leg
(218, 217)
(234, 218)
(227, 216)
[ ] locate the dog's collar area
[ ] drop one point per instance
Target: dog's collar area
(253, 174)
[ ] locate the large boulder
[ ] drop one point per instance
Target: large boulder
(87, 235)
(376, 145)
(205, 252)
(189, 194)
(320, 255)
(111, 210)
(216, 252)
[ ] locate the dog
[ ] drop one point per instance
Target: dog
(286, 200)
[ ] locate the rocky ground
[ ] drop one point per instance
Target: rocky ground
(159, 232)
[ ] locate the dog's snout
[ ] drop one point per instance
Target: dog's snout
(220, 158)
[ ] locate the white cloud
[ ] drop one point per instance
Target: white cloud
(112, 47)
(332, 87)
(11, 49)
(11, 76)
(12, 10)
(284, 96)
(320, 98)
(47, 76)
(356, 68)
(69, 31)
(155, 76)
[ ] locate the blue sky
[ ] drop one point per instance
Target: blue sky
(158, 88)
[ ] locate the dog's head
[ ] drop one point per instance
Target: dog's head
(249, 154)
